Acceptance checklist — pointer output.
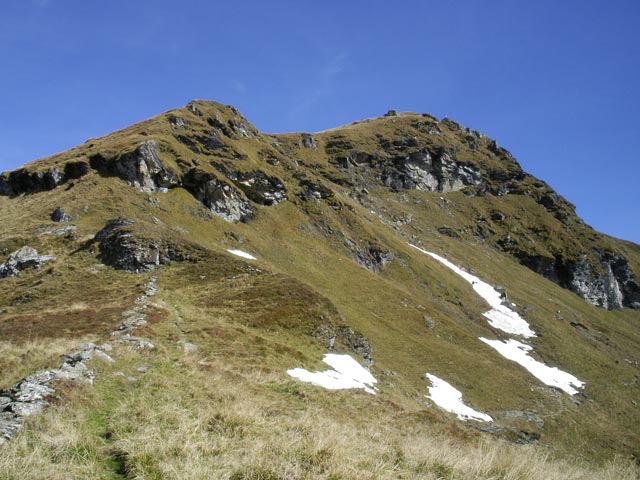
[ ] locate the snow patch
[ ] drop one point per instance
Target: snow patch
(450, 399)
(505, 319)
(552, 376)
(242, 254)
(346, 373)
(500, 316)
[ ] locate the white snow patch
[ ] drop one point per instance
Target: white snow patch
(552, 376)
(450, 399)
(346, 373)
(500, 316)
(242, 254)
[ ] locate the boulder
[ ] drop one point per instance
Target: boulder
(307, 141)
(123, 248)
(21, 259)
(59, 215)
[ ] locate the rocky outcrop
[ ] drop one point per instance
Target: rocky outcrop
(415, 168)
(23, 181)
(307, 141)
(258, 186)
(122, 248)
(314, 190)
(22, 259)
(142, 168)
(604, 279)
(347, 337)
(219, 197)
(31, 394)
(369, 256)
(612, 286)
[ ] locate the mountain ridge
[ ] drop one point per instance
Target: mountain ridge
(601, 276)
(270, 250)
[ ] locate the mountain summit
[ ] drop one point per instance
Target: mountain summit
(202, 275)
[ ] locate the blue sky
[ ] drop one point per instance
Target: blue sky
(555, 82)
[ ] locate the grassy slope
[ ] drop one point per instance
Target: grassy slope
(247, 339)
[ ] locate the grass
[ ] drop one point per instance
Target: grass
(179, 420)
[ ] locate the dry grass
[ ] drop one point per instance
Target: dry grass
(180, 421)
(21, 359)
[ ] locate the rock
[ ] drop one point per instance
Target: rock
(428, 321)
(194, 109)
(69, 231)
(123, 249)
(187, 347)
(103, 356)
(369, 256)
(260, 188)
(307, 141)
(21, 259)
(219, 197)
(526, 416)
(391, 113)
(315, 190)
(135, 343)
(10, 424)
(449, 231)
(613, 287)
(356, 342)
(142, 168)
(424, 170)
(25, 181)
(176, 122)
(59, 215)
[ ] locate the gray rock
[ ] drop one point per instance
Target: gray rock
(526, 416)
(10, 424)
(315, 190)
(356, 342)
(194, 109)
(187, 347)
(429, 171)
(614, 286)
(4, 403)
(121, 248)
(142, 168)
(135, 343)
(428, 321)
(371, 257)
(176, 122)
(260, 188)
(21, 259)
(67, 231)
(59, 215)
(219, 197)
(307, 141)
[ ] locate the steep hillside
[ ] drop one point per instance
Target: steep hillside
(193, 271)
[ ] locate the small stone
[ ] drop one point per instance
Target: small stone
(103, 356)
(24, 409)
(428, 321)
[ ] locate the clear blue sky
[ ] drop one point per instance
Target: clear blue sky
(554, 81)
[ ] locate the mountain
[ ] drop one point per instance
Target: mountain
(393, 298)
